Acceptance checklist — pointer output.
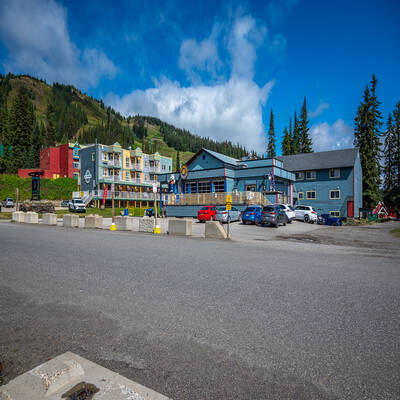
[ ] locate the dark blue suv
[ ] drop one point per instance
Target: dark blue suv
(252, 214)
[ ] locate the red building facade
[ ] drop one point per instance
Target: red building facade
(57, 162)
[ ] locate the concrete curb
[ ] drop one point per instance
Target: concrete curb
(61, 374)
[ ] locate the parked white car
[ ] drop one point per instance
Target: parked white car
(77, 205)
(289, 210)
(306, 214)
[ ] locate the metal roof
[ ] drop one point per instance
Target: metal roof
(222, 157)
(320, 160)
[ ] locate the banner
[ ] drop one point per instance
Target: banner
(105, 196)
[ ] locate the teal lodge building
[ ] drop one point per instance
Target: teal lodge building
(328, 181)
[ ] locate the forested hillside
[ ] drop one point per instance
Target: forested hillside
(35, 115)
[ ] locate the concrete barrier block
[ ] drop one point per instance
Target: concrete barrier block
(214, 230)
(94, 221)
(123, 223)
(181, 227)
(18, 216)
(146, 224)
(31, 217)
(63, 377)
(49, 219)
(71, 221)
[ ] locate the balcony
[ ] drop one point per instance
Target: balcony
(125, 195)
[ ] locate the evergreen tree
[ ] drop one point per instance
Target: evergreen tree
(51, 133)
(291, 137)
(396, 158)
(286, 143)
(366, 137)
(271, 150)
(389, 169)
(19, 138)
(305, 140)
(178, 161)
(296, 138)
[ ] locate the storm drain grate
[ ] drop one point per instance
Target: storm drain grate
(81, 391)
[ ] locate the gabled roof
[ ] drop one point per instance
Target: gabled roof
(320, 160)
(221, 157)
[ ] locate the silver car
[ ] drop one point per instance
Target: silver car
(223, 215)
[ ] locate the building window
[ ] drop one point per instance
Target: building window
(127, 161)
(163, 167)
(311, 175)
(300, 195)
(334, 213)
(311, 195)
(299, 176)
(219, 186)
(250, 188)
(93, 156)
(334, 173)
(334, 194)
(204, 187)
(190, 187)
(169, 168)
(75, 165)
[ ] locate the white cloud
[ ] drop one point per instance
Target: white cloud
(319, 110)
(229, 111)
(244, 40)
(200, 56)
(332, 137)
(38, 42)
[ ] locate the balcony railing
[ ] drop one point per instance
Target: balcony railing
(125, 195)
(190, 199)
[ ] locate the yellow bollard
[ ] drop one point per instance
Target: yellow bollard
(113, 227)
(157, 230)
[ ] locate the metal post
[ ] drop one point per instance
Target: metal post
(112, 205)
(229, 222)
(155, 207)
(16, 198)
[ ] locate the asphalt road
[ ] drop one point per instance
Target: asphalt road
(196, 319)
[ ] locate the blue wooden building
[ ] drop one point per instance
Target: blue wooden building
(329, 181)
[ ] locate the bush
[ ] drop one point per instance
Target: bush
(50, 189)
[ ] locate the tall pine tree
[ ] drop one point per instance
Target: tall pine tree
(305, 140)
(271, 150)
(296, 139)
(396, 158)
(389, 169)
(366, 136)
(178, 161)
(21, 125)
(286, 143)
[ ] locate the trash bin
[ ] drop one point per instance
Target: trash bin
(126, 212)
(372, 217)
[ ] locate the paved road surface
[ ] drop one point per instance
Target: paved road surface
(196, 319)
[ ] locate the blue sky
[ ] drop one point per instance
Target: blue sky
(214, 68)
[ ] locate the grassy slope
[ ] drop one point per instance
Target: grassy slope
(94, 113)
(51, 189)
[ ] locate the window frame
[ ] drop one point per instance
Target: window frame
(219, 186)
(313, 178)
(201, 185)
(301, 176)
(311, 198)
(331, 213)
(300, 197)
(334, 177)
(334, 198)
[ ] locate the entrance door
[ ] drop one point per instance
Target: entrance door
(350, 209)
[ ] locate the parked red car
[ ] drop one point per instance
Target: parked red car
(206, 213)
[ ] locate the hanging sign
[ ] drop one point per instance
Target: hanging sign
(184, 171)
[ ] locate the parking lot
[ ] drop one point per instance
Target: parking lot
(302, 311)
